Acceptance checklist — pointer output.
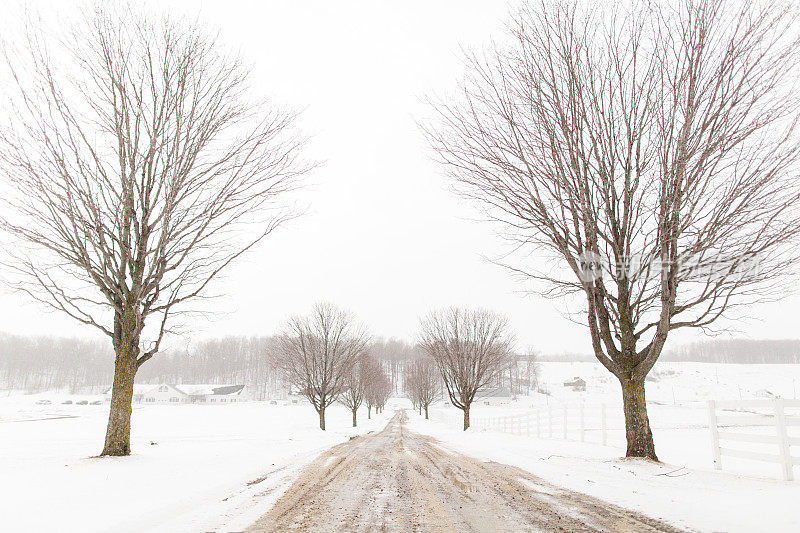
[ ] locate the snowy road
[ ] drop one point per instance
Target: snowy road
(397, 480)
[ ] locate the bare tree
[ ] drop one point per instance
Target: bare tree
(513, 372)
(394, 354)
(355, 388)
(383, 391)
(470, 349)
(379, 390)
(318, 353)
(140, 169)
(532, 368)
(373, 377)
(422, 383)
(652, 149)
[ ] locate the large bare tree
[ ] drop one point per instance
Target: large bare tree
(317, 354)
(652, 149)
(470, 349)
(138, 168)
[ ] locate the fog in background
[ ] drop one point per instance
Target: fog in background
(382, 235)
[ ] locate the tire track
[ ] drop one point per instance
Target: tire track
(399, 481)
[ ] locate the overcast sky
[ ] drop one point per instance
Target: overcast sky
(382, 236)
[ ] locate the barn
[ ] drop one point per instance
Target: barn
(577, 384)
(185, 393)
(494, 396)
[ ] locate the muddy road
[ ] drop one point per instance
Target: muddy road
(397, 481)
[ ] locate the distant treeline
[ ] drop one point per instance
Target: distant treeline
(566, 357)
(737, 351)
(249, 360)
(228, 360)
(46, 363)
(715, 351)
(42, 363)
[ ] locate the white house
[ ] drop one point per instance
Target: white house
(185, 393)
(162, 394)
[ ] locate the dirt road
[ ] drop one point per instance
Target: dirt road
(397, 481)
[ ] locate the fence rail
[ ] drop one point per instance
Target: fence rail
(738, 429)
(741, 415)
(566, 422)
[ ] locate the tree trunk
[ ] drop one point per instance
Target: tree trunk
(426, 412)
(637, 424)
(118, 431)
(126, 346)
(369, 411)
(420, 410)
(322, 419)
(466, 417)
(354, 418)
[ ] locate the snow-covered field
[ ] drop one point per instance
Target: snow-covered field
(681, 383)
(698, 499)
(189, 471)
(677, 398)
(685, 490)
(203, 467)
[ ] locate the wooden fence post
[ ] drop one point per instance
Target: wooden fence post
(712, 426)
(783, 440)
(583, 425)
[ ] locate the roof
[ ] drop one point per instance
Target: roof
(208, 390)
(494, 392)
(187, 389)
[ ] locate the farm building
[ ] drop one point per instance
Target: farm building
(577, 384)
(494, 396)
(185, 393)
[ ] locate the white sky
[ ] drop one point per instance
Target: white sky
(383, 236)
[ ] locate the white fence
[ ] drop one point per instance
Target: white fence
(759, 430)
(755, 415)
(578, 422)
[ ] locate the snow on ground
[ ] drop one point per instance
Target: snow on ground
(673, 382)
(221, 467)
(677, 398)
(683, 490)
(693, 498)
(193, 467)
